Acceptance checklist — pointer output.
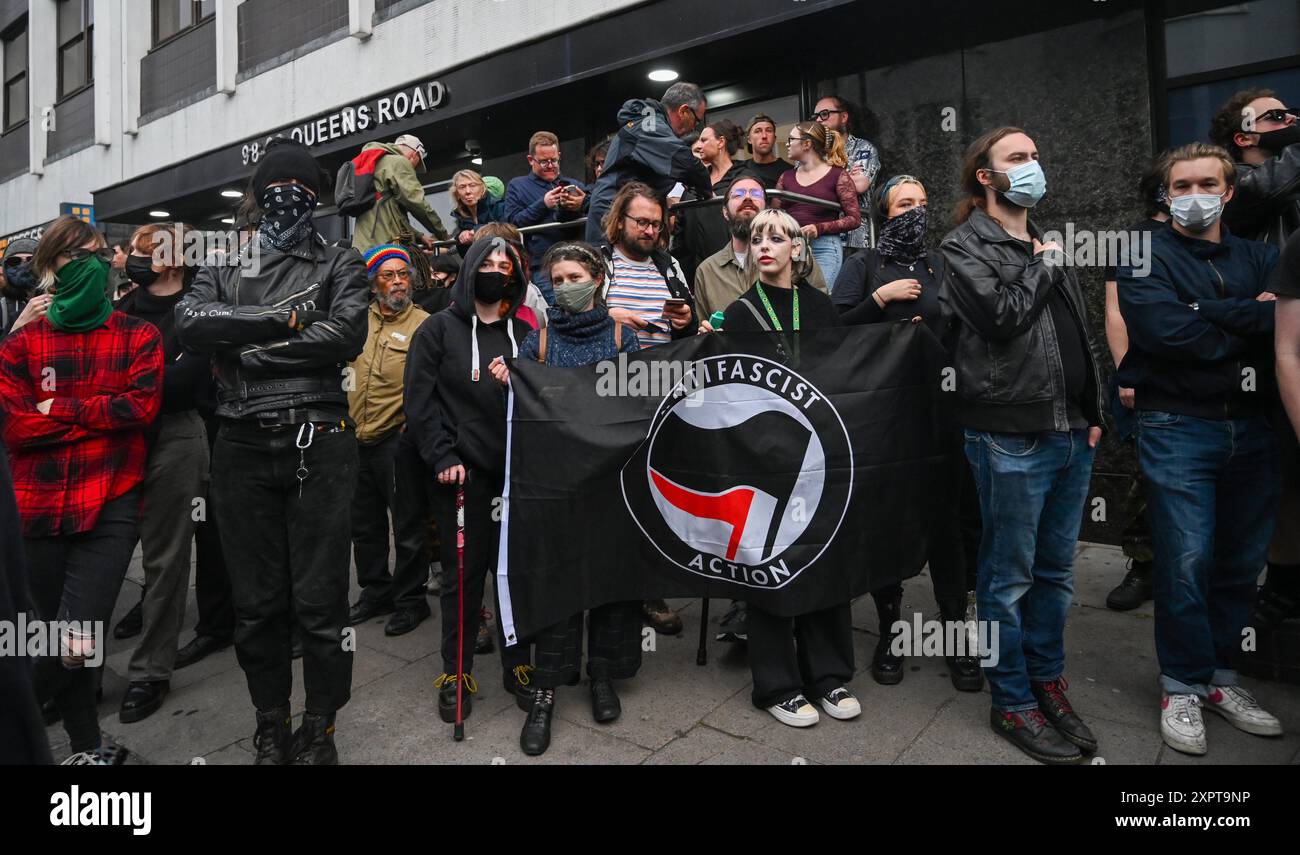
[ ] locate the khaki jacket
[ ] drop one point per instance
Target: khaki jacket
(375, 391)
(403, 193)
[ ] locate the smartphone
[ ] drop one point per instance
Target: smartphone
(674, 303)
(572, 190)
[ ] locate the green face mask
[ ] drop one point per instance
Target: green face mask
(573, 297)
(80, 300)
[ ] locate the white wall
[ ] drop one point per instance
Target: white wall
(415, 45)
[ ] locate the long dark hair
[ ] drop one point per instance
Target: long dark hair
(977, 158)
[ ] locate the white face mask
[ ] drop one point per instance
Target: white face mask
(1196, 211)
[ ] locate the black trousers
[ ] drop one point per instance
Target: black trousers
(288, 557)
(77, 577)
(390, 480)
(613, 646)
(812, 654)
(482, 533)
(211, 580)
(954, 546)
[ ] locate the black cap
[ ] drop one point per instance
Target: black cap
(287, 160)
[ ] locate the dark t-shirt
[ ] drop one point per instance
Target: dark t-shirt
(1074, 361)
(766, 173)
(1285, 281)
(815, 310)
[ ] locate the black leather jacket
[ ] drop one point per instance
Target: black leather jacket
(1265, 203)
(1010, 377)
(240, 313)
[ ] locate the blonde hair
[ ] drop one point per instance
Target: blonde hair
(456, 204)
(1197, 151)
(774, 219)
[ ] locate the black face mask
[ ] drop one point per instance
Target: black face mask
(1274, 141)
(139, 269)
(489, 286)
(19, 281)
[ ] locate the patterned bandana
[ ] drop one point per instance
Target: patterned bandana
(903, 237)
(286, 216)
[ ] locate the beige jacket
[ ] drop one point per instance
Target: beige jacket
(375, 381)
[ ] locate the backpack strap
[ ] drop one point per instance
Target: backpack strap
(541, 345)
(618, 336)
(762, 321)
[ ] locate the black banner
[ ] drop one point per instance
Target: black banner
(793, 472)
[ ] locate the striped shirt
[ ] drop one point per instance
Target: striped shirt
(639, 287)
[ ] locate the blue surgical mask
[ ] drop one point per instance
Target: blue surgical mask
(1196, 211)
(1028, 184)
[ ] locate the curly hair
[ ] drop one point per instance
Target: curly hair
(1227, 123)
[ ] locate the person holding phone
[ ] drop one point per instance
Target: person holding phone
(544, 196)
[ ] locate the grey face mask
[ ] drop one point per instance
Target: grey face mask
(573, 297)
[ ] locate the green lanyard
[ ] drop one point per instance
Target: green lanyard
(762, 295)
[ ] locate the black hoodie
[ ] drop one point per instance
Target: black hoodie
(451, 417)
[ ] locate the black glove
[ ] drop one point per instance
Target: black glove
(304, 318)
(1275, 141)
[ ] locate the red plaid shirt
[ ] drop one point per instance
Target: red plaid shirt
(107, 387)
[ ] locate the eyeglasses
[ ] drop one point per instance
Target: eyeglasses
(550, 161)
(823, 115)
(752, 193)
(1277, 114)
(790, 140)
(394, 275)
(699, 117)
(645, 225)
(17, 259)
(79, 253)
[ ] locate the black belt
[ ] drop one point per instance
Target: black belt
(323, 419)
(269, 388)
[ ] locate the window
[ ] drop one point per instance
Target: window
(174, 16)
(76, 25)
(15, 94)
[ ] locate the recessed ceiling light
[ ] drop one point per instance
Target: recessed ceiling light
(161, 214)
(663, 75)
(230, 221)
(232, 194)
(477, 161)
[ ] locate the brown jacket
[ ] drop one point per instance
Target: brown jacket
(375, 390)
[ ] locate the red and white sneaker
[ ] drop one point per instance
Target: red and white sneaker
(1181, 724)
(1242, 711)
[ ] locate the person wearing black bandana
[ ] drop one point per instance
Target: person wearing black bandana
(897, 281)
(16, 305)
(281, 319)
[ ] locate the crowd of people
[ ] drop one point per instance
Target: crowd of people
(341, 404)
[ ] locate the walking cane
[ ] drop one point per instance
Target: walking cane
(458, 733)
(702, 655)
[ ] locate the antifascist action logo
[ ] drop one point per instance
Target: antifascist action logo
(745, 474)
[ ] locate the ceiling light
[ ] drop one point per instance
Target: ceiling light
(477, 161)
(663, 75)
(230, 221)
(232, 194)
(160, 214)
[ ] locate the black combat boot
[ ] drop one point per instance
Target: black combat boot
(274, 737)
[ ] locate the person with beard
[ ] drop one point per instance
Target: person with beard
(390, 477)
(763, 163)
(899, 280)
(721, 278)
(176, 468)
(842, 116)
(1030, 433)
(18, 287)
(1262, 135)
(792, 659)
(281, 319)
(77, 447)
(580, 332)
(456, 418)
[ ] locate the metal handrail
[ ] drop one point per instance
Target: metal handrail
(677, 206)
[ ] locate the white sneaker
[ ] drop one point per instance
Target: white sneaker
(1181, 724)
(796, 712)
(1242, 711)
(839, 703)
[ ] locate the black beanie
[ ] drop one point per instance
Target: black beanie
(286, 160)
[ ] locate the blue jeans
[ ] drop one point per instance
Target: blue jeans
(828, 250)
(1032, 488)
(1212, 492)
